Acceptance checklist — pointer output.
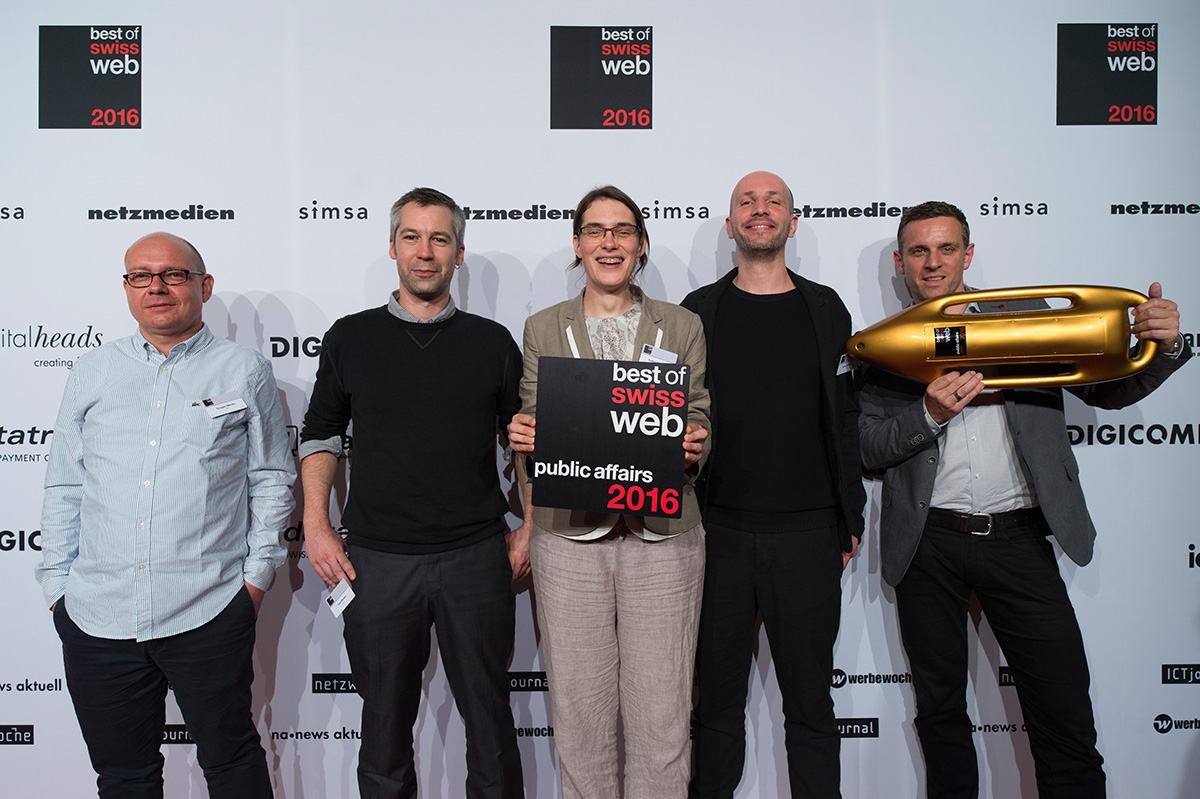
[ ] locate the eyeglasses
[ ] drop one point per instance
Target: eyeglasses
(621, 232)
(170, 277)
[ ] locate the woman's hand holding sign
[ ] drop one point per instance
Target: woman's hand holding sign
(693, 443)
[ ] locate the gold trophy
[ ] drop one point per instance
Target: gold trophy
(1087, 342)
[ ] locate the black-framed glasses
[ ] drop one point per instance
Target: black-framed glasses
(623, 231)
(171, 277)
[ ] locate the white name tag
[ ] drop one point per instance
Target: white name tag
(653, 354)
(225, 403)
(845, 364)
(339, 597)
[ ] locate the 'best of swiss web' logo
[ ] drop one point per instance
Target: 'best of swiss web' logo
(601, 77)
(90, 76)
(1108, 73)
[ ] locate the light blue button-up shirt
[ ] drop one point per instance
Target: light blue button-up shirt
(155, 512)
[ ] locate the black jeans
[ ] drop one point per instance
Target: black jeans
(794, 579)
(1015, 575)
(467, 594)
(119, 687)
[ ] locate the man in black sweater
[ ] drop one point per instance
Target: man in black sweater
(426, 387)
(782, 496)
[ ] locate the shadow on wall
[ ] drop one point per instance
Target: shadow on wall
(495, 285)
(713, 254)
(287, 327)
(881, 291)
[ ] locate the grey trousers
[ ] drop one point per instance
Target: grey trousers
(466, 595)
(618, 619)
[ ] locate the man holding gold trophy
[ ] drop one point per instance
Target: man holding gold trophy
(975, 481)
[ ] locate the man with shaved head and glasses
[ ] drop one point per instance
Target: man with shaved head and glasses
(169, 482)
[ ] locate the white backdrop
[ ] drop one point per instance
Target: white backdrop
(264, 108)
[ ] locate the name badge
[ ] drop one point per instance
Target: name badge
(653, 354)
(225, 403)
(339, 597)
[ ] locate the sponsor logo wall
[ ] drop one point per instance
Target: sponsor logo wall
(1066, 134)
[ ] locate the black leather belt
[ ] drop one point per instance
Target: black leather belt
(984, 523)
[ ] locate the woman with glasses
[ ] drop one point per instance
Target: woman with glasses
(618, 596)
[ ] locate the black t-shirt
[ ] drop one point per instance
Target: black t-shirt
(769, 471)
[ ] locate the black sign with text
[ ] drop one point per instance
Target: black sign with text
(610, 436)
(90, 76)
(600, 77)
(1107, 73)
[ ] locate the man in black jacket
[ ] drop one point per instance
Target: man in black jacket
(782, 496)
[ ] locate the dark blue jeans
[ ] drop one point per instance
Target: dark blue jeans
(119, 687)
(1015, 575)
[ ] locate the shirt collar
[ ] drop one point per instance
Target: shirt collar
(194, 344)
(400, 312)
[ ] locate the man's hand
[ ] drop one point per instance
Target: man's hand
(518, 551)
(327, 553)
(520, 433)
(256, 596)
(693, 444)
(949, 394)
(851, 554)
(1156, 319)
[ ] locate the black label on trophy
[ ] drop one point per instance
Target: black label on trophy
(949, 341)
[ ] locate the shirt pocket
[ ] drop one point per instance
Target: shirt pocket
(223, 435)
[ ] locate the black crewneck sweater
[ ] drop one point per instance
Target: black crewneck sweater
(425, 400)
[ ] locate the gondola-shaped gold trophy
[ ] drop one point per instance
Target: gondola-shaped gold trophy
(1086, 342)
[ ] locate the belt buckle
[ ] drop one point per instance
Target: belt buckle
(972, 523)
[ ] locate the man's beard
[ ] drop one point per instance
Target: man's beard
(761, 250)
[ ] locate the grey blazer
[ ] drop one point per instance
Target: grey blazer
(896, 437)
(550, 331)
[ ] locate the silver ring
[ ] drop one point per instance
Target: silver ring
(957, 396)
